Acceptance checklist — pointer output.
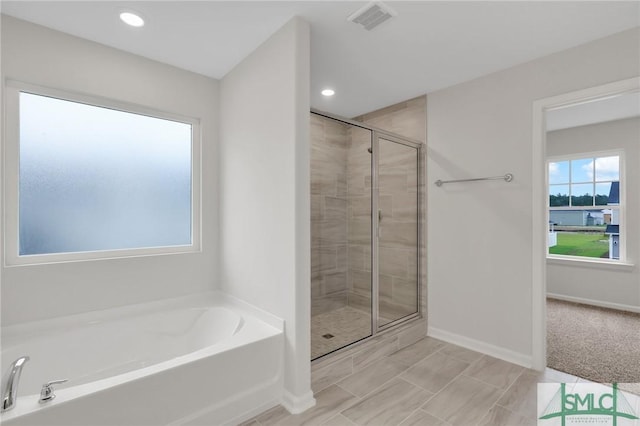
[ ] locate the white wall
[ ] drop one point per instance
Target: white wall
(264, 192)
(618, 286)
(480, 233)
(37, 55)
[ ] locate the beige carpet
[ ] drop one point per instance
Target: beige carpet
(598, 344)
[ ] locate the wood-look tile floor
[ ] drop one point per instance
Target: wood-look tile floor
(449, 386)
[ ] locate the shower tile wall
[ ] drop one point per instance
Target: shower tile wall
(407, 118)
(359, 219)
(397, 260)
(398, 204)
(329, 143)
(341, 223)
(398, 227)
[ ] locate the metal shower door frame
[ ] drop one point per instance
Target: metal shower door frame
(376, 135)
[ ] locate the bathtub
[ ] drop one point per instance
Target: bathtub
(204, 359)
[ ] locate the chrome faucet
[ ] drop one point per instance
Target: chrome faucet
(46, 393)
(10, 383)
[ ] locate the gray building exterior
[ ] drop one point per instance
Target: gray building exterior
(613, 229)
(576, 217)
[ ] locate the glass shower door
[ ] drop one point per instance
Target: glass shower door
(341, 271)
(398, 230)
(364, 232)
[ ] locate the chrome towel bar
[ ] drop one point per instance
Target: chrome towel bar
(507, 178)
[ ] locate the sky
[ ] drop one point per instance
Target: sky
(584, 170)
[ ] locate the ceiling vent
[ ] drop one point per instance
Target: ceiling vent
(372, 15)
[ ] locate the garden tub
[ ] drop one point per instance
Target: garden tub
(204, 359)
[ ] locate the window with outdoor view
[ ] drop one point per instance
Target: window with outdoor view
(584, 207)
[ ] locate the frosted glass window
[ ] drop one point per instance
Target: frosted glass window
(94, 178)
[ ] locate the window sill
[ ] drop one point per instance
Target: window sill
(590, 263)
(53, 258)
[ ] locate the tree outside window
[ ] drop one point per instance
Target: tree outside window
(584, 206)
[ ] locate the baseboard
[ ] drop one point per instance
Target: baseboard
(610, 305)
(259, 409)
(483, 347)
(297, 404)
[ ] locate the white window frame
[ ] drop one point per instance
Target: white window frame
(621, 206)
(11, 174)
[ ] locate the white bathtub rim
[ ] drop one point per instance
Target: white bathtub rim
(28, 403)
(13, 336)
(257, 325)
(259, 313)
(197, 300)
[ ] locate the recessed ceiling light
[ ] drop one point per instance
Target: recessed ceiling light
(132, 19)
(328, 92)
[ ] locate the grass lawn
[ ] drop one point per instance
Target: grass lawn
(588, 244)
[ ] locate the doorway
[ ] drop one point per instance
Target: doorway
(561, 282)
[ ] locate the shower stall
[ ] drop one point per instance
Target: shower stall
(365, 231)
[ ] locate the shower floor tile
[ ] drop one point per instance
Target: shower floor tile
(346, 325)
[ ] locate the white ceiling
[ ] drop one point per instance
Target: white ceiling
(596, 111)
(428, 46)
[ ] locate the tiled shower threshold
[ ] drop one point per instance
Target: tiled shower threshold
(398, 336)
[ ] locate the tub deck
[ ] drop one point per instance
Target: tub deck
(185, 361)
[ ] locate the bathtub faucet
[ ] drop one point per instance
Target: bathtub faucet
(46, 393)
(10, 383)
